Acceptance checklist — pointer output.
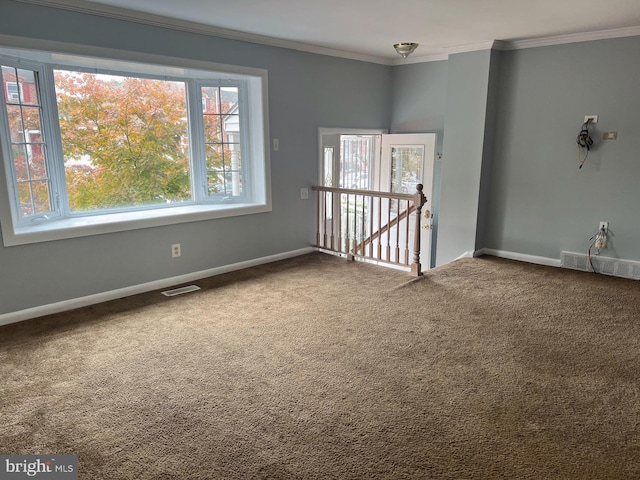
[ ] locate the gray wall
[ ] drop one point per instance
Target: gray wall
(541, 203)
(305, 91)
(419, 92)
(488, 149)
(509, 179)
(465, 119)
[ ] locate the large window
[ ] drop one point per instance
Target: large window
(92, 142)
(125, 141)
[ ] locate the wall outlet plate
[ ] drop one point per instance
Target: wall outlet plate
(593, 118)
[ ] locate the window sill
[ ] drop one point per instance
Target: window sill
(119, 222)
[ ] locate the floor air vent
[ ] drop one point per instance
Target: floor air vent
(180, 291)
(605, 265)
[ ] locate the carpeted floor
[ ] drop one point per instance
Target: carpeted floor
(318, 368)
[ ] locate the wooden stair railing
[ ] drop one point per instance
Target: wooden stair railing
(384, 229)
(351, 221)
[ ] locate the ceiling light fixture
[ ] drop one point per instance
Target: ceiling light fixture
(405, 49)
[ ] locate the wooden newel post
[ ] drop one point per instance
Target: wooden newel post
(420, 200)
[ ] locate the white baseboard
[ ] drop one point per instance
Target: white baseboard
(29, 313)
(523, 257)
(467, 254)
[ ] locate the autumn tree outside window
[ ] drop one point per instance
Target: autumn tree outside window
(105, 144)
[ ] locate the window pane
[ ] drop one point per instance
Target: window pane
(11, 84)
(13, 92)
(34, 198)
(406, 168)
(212, 132)
(215, 183)
(328, 167)
(231, 127)
(20, 162)
(211, 100)
(24, 195)
(215, 157)
(125, 140)
(236, 173)
(27, 143)
(227, 183)
(222, 138)
(229, 99)
(356, 159)
(37, 165)
(16, 129)
(31, 119)
(236, 161)
(224, 171)
(41, 197)
(27, 87)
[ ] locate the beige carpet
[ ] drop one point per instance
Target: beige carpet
(316, 368)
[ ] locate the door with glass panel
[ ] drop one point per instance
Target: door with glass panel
(347, 161)
(405, 161)
(387, 163)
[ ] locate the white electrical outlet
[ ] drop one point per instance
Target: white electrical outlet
(601, 238)
(593, 118)
(304, 193)
(175, 250)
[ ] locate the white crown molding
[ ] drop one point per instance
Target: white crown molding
(419, 59)
(507, 45)
(471, 47)
(571, 38)
(119, 13)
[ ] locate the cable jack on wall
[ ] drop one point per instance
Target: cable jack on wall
(584, 140)
(599, 242)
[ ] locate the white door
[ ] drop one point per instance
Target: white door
(407, 160)
(347, 160)
(389, 163)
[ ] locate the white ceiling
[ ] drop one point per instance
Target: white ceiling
(367, 29)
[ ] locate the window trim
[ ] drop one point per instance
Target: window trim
(258, 198)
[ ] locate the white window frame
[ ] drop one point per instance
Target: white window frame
(256, 161)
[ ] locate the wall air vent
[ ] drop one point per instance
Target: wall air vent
(605, 265)
(180, 291)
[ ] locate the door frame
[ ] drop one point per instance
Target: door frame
(429, 141)
(341, 131)
(428, 169)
